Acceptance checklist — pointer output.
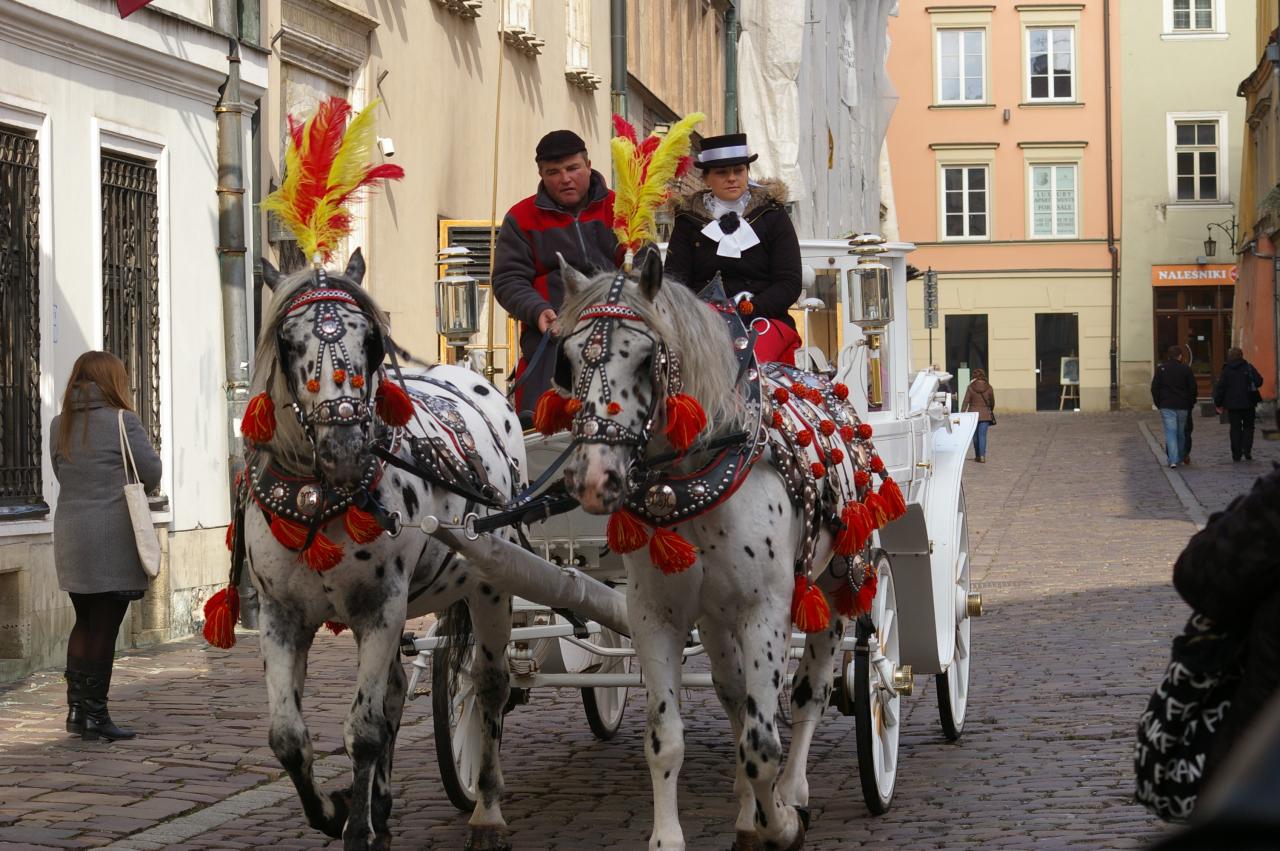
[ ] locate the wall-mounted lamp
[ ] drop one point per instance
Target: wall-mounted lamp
(1228, 229)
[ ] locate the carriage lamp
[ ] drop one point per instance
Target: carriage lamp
(872, 310)
(457, 299)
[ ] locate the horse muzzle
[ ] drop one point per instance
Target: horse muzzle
(596, 476)
(340, 454)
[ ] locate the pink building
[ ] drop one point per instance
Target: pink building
(1003, 177)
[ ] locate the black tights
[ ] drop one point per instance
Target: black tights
(98, 618)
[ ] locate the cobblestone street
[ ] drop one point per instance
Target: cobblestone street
(1075, 524)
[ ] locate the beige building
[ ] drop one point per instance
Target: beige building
(1182, 131)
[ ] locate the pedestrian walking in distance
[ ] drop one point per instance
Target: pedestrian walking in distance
(1238, 394)
(1173, 392)
(93, 541)
(980, 399)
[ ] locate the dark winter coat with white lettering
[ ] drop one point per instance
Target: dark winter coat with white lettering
(1230, 572)
(93, 544)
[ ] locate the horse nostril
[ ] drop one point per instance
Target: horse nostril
(568, 477)
(612, 482)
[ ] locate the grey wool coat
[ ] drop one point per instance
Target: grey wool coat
(93, 545)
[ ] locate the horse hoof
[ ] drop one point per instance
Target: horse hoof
(803, 813)
(488, 839)
(341, 800)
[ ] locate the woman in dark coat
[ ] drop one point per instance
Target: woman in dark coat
(981, 399)
(93, 543)
(1230, 573)
(739, 228)
(1237, 393)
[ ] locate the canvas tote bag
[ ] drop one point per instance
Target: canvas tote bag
(135, 496)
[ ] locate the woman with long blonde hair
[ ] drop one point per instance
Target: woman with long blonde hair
(93, 543)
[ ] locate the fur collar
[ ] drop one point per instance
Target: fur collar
(769, 192)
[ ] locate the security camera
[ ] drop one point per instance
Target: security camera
(386, 146)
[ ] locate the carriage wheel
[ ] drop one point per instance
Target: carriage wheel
(606, 705)
(458, 727)
(877, 701)
(953, 684)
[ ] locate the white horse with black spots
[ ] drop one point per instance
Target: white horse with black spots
(739, 590)
(319, 360)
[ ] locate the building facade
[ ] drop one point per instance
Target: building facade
(1000, 143)
(1182, 132)
(108, 236)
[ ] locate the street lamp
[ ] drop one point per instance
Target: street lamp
(1228, 229)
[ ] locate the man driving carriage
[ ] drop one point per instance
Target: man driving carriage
(570, 216)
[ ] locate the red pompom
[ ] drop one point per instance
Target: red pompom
(865, 431)
(259, 423)
(291, 535)
(231, 535)
(846, 433)
(335, 627)
(613, 409)
(877, 464)
(551, 414)
(857, 529)
(836, 455)
(809, 609)
(357, 381)
(625, 532)
(393, 404)
(893, 499)
(362, 527)
(780, 395)
(671, 553)
(827, 428)
(841, 391)
(745, 307)
(313, 386)
(685, 420)
(573, 406)
(339, 377)
(777, 419)
(862, 478)
(322, 555)
(876, 505)
(221, 611)
(818, 469)
(804, 437)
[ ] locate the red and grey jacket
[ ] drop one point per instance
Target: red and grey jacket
(526, 270)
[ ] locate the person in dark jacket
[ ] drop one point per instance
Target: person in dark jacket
(571, 215)
(1230, 573)
(93, 544)
(1237, 394)
(741, 229)
(1173, 391)
(980, 398)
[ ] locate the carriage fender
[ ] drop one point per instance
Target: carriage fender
(925, 551)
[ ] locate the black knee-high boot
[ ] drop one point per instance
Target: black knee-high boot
(97, 721)
(75, 696)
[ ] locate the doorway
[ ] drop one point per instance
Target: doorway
(1197, 319)
(1057, 341)
(965, 339)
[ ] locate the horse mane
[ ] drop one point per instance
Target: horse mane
(691, 328)
(289, 445)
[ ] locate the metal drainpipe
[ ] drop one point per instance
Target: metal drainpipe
(1112, 250)
(618, 45)
(731, 69)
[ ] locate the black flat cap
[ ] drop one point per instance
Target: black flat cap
(559, 144)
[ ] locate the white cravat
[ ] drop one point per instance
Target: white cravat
(730, 244)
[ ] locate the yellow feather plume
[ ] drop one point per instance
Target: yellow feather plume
(643, 180)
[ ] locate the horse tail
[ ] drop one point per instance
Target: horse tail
(458, 636)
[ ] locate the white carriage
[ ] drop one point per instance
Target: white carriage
(924, 603)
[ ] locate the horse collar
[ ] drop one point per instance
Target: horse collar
(305, 499)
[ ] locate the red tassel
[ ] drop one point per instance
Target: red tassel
(221, 611)
(840, 390)
(685, 419)
(809, 609)
(259, 423)
(844, 600)
(877, 464)
(862, 478)
(362, 527)
(857, 529)
(231, 534)
(893, 499)
(323, 554)
(393, 404)
(291, 535)
(867, 593)
(625, 532)
(574, 405)
(671, 553)
(335, 627)
(551, 414)
(879, 511)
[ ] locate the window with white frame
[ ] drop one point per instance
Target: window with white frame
(519, 14)
(964, 202)
(962, 66)
(1196, 160)
(1051, 63)
(578, 28)
(1053, 201)
(1194, 16)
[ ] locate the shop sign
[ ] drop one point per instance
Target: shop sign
(1209, 275)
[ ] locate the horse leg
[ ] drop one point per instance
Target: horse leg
(766, 640)
(729, 682)
(393, 708)
(367, 730)
(810, 696)
(284, 646)
(491, 621)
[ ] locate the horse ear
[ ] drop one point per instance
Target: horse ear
(650, 272)
(574, 281)
(270, 274)
(355, 267)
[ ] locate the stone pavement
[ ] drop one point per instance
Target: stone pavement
(1074, 527)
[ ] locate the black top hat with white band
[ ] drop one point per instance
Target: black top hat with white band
(719, 151)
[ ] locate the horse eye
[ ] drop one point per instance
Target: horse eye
(647, 364)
